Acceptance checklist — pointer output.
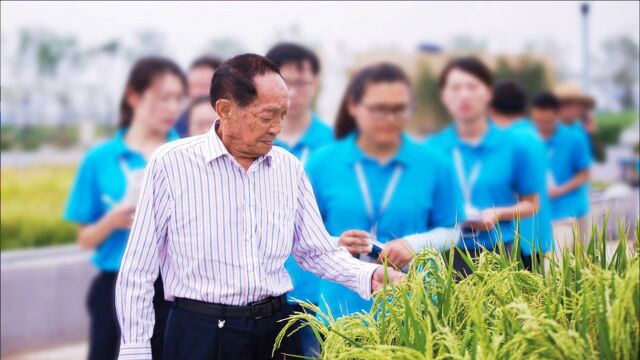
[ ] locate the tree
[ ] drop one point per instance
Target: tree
(531, 73)
(621, 72)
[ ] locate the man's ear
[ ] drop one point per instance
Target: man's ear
(224, 109)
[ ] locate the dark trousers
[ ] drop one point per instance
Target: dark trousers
(310, 345)
(104, 336)
(195, 336)
(461, 266)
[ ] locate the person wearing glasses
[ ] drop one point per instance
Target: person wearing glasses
(380, 194)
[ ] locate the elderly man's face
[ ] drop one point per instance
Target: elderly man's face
(250, 130)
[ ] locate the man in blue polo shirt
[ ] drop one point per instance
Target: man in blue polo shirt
(574, 112)
(303, 133)
(569, 162)
(507, 110)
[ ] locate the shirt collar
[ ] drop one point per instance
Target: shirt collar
(490, 139)
(404, 155)
(215, 147)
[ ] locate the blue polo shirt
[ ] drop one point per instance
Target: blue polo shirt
(502, 177)
(536, 231)
(99, 184)
(423, 199)
(568, 155)
(306, 286)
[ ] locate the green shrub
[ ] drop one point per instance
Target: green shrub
(29, 138)
(32, 204)
(609, 126)
(585, 305)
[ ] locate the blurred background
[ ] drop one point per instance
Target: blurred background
(63, 67)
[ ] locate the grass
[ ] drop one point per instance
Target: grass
(31, 205)
(585, 305)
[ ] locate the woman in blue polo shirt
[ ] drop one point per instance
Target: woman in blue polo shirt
(375, 183)
(106, 188)
(496, 182)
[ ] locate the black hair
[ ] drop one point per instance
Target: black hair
(546, 100)
(509, 98)
(470, 65)
(234, 78)
(289, 53)
(142, 74)
(211, 62)
(373, 74)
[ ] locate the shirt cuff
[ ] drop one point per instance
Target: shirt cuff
(135, 351)
(366, 273)
(335, 240)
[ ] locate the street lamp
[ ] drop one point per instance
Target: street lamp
(584, 10)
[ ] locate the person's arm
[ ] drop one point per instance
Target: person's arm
(439, 238)
(581, 162)
(92, 235)
(315, 251)
(139, 268)
(573, 183)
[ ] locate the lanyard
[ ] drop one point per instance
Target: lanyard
(466, 184)
(304, 155)
(366, 195)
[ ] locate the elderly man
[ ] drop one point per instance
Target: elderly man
(219, 215)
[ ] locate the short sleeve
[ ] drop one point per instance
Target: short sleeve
(83, 204)
(528, 164)
(581, 153)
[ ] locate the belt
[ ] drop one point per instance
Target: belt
(256, 310)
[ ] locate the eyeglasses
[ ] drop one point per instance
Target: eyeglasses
(380, 112)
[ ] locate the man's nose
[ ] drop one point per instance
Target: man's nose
(276, 126)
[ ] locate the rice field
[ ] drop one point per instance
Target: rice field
(585, 305)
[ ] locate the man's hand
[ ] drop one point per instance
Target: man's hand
(355, 241)
(398, 252)
(377, 279)
(488, 221)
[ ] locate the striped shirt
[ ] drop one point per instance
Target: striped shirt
(221, 234)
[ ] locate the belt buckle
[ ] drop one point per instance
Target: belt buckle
(255, 312)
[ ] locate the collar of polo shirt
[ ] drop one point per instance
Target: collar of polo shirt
(404, 155)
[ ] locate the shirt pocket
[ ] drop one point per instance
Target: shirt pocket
(275, 225)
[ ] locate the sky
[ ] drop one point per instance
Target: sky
(335, 28)
(505, 26)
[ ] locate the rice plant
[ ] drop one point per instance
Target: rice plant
(584, 305)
